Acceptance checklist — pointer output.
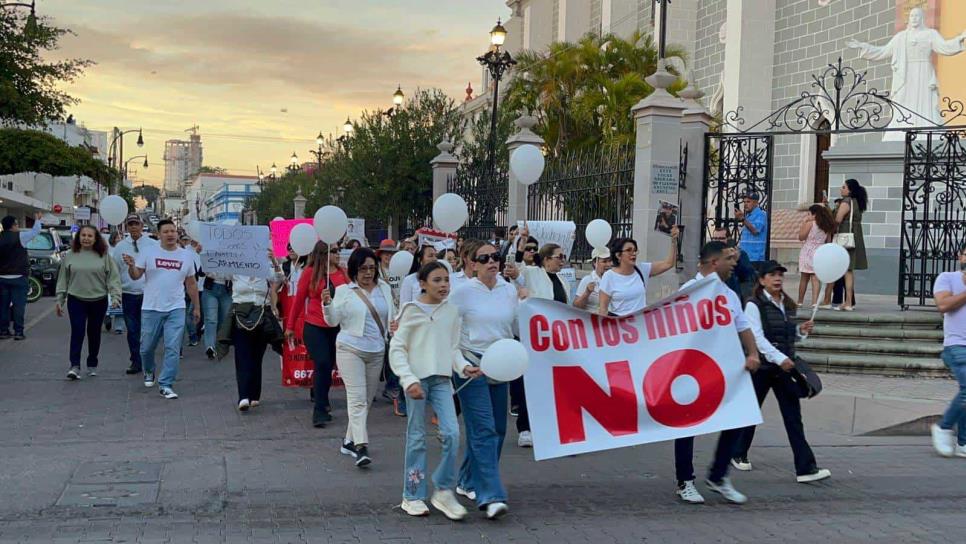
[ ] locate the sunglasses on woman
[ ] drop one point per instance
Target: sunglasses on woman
(490, 257)
(530, 248)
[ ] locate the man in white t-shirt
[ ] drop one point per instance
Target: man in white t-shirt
(169, 271)
(949, 292)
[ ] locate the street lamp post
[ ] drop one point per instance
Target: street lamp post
(398, 98)
(145, 164)
(115, 152)
(293, 163)
(274, 171)
(31, 24)
(497, 61)
(319, 140)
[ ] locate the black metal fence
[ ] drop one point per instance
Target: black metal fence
(583, 186)
(485, 193)
(933, 211)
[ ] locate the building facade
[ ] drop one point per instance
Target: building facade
(182, 159)
(217, 197)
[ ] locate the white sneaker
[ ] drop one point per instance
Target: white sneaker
(819, 474)
(726, 490)
(496, 510)
(688, 493)
(167, 393)
(92, 372)
(445, 501)
(244, 405)
(255, 403)
(414, 508)
(148, 379)
(471, 495)
(525, 440)
(741, 463)
(960, 451)
(943, 440)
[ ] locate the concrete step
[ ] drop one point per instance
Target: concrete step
(867, 332)
(874, 363)
(891, 320)
(872, 346)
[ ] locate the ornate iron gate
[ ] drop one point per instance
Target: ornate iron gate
(733, 165)
(485, 193)
(933, 210)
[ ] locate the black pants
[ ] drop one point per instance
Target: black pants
(86, 318)
(518, 398)
(249, 351)
(320, 342)
(772, 377)
(684, 456)
(131, 304)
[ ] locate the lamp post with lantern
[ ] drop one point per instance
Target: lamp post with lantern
(497, 61)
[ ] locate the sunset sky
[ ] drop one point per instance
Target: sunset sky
(233, 66)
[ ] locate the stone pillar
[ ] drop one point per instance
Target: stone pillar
(695, 122)
(517, 198)
(444, 166)
(656, 165)
(299, 204)
(750, 58)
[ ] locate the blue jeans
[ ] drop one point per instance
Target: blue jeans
(13, 304)
(170, 326)
(484, 408)
(215, 305)
(955, 359)
(190, 326)
(131, 304)
(438, 393)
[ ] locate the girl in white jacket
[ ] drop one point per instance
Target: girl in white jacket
(424, 352)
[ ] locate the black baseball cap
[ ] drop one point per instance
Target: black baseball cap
(768, 267)
(751, 195)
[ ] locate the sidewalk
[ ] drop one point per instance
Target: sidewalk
(106, 459)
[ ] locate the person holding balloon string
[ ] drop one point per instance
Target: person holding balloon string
(488, 307)
(424, 352)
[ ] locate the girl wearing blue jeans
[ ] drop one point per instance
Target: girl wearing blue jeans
(423, 353)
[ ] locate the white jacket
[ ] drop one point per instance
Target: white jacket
(349, 311)
(426, 344)
(539, 284)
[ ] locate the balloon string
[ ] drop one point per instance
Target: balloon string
(815, 308)
(467, 382)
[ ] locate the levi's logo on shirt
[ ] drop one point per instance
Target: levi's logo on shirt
(167, 264)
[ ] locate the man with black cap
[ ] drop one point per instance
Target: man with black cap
(754, 231)
(771, 314)
(132, 291)
(14, 270)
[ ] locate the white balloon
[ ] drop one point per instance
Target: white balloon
(279, 219)
(114, 209)
(302, 239)
(450, 212)
(505, 360)
(598, 233)
(330, 223)
(400, 264)
(193, 229)
(527, 163)
(831, 262)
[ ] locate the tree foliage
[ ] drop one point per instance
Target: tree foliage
(29, 82)
(35, 151)
(212, 170)
(149, 193)
(582, 92)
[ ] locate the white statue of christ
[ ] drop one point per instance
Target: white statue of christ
(914, 83)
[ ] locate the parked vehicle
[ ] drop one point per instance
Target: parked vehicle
(44, 252)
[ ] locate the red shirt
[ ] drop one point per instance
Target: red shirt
(313, 311)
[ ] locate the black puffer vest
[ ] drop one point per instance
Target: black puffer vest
(780, 329)
(14, 260)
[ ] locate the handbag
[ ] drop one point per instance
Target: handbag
(847, 239)
(250, 317)
(808, 382)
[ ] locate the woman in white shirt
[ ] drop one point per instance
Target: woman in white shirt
(254, 317)
(487, 305)
(588, 295)
(362, 308)
(623, 288)
(410, 289)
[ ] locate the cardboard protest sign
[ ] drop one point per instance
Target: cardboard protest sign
(235, 249)
(562, 233)
(280, 233)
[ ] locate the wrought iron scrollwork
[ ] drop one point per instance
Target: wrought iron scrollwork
(842, 96)
(485, 193)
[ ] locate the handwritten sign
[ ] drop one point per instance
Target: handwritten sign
(281, 229)
(664, 179)
(561, 233)
(82, 214)
(235, 249)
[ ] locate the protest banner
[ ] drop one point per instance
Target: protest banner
(280, 233)
(436, 238)
(562, 233)
(674, 370)
(356, 229)
(235, 249)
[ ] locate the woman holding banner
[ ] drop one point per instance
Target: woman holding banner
(623, 288)
(488, 306)
(771, 314)
(322, 275)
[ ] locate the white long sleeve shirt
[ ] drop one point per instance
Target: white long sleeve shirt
(488, 314)
(771, 353)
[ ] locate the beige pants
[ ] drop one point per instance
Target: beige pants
(360, 372)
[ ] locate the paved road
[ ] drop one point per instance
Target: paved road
(196, 470)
